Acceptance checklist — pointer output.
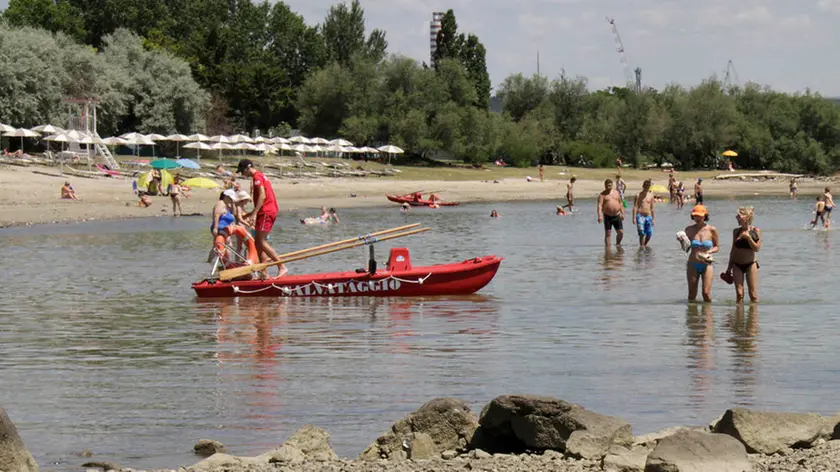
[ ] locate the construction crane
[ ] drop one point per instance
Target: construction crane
(619, 46)
(729, 74)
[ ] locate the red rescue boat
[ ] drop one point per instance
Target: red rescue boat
(415, 200)
(398, 279)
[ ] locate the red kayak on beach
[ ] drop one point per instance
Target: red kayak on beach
(398, 279)
(414, 201)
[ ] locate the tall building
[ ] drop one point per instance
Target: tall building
(434, 27)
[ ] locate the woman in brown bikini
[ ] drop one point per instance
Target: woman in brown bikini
(742, 258)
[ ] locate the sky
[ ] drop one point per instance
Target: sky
(786, 44)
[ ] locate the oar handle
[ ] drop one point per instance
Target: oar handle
(300, 255)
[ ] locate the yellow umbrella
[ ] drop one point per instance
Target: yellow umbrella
(165, 179)
(728, 153)
(200, 182)
(658, 189)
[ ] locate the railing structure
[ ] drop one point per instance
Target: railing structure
(85, 122)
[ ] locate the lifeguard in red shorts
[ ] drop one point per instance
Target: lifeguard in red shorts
(265, 209)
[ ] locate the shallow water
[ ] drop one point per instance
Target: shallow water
(104, 347)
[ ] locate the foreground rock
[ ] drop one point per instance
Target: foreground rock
(770, 432)
(698, 452)
(208, 447)
(823, 457)
(443, 424)
(14, 457)
(517, 423)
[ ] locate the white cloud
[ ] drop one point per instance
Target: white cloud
(796, 22)
(831, 5)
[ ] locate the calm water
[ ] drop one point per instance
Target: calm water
(104, 347)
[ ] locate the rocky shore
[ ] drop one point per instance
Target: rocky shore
(516, 433)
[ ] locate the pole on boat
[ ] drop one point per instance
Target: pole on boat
(322, 249)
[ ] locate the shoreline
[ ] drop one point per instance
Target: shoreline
(31, 194)
(519, 433)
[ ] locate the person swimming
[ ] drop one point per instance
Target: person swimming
(494, 214)
(704, 243)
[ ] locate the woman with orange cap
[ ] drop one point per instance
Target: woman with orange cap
(704, 243)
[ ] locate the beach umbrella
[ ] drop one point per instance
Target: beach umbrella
(198, 137)
(188, 164)
(47, 129)
(165, 179)
(264, 147)
(341, 142)
(218, 139)
(278, 140)
(6, 128)
(318, 141)
(350, 149)
(177, 138)
(21, 133)
(259, 139)
(198, 146)
(114, 141)
(156, 137)
(201, 182)
(299, 140)
(240, 138)
(391, 149)
(164, 164)
(90, 140)
(658, 189)
(133, 136)
(242, 146)
(729, 153)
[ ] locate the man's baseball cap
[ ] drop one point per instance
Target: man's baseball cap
(243, 165)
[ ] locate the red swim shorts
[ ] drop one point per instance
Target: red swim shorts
(264, 222)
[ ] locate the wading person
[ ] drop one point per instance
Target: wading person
(570, 194)
(672, 188)
(698, 191)
(742, 258)
(819, 212)
(265, 211)
(611, 213)
(643, 214)
(793, 188)
(704, 243)
(829, 205)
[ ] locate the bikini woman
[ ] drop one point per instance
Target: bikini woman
(704, 243)
(742, 262)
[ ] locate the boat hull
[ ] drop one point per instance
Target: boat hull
(461, 278)
(413, 202)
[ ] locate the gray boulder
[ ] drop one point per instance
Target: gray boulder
(770, 432)
(208, 447)
(447, 421)
(622, 459)
(518, 423)
(313, 442)
(694, 451)
(421, 447)
(224, 463)
(14, 457)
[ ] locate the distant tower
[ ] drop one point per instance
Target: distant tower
(434, 28)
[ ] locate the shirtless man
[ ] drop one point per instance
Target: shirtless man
(570, 193)
(672, 188)
(829, 205)
(611, 213)
(698, 191)
(643, 214)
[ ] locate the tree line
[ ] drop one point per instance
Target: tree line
(222, 66)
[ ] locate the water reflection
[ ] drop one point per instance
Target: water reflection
(744, 344)
(644, 258)
(700, 339)
(611, 263)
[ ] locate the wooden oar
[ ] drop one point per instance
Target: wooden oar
(326, 249)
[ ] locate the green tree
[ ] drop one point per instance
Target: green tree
(51, 15)
(344, 35)
(520, 94)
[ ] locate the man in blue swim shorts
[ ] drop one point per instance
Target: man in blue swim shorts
(643, 213)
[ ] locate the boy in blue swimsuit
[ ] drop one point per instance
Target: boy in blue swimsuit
(643, 214)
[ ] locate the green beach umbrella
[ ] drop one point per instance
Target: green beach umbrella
(164, 164)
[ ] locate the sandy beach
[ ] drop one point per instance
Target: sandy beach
(29, 196)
